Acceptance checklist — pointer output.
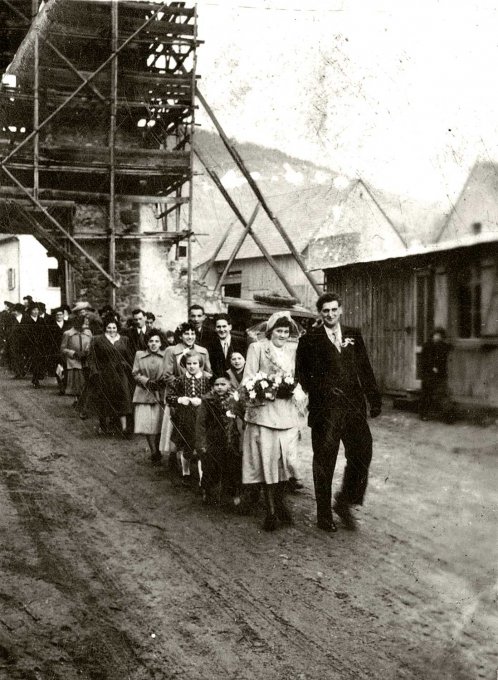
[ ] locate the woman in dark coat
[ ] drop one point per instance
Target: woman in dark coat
(36, 341)
(110, 380)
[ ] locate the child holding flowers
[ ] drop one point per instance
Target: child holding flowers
(217, 442)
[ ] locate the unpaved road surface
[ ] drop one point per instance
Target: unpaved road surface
(111, 571)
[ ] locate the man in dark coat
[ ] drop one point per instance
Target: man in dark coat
(435, 399)
(16, 341)
(5, 322)
(136, 334)
(223, 345)
(204, 333)
(333, 367)
(36, 340)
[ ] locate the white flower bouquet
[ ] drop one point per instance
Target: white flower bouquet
(263, 387)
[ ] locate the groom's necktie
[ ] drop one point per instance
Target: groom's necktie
(335, 340)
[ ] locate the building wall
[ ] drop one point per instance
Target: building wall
(9, 259)
(383, 308)
(31, 263)
(380, 298)
(258, 277)
(143, 270)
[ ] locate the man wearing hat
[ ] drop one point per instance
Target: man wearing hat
(16, 349)
(84, 308)
(81, 306)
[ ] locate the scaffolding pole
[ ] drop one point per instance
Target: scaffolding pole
(112, 152)
(191, 180)
(266, 253)
(257, 191)
(238, 246)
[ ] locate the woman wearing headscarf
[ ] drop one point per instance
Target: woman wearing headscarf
(272, 433)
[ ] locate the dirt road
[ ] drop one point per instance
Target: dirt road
(111, 571)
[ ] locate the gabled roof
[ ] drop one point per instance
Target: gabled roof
(357, 229)
(467, 241)
(477, 204)
(301, 213)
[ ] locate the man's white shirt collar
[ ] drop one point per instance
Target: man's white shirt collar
(334, 332)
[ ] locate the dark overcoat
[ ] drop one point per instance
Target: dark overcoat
(333, 379)
(110, 380)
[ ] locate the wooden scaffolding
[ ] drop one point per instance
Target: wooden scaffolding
(96, 107)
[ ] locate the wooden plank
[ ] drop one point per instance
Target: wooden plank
(99, 169)
(99, 25)
(142, 80)
(137, 10)
(78, 157)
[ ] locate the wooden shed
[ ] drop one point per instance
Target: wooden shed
(398, 301)
(398, 294)
(307, 215)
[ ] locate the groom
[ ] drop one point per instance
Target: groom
(333, 367)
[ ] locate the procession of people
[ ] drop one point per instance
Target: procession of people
(222, 414)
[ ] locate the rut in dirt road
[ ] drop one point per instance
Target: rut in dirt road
(110, 570)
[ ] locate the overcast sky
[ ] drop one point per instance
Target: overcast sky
(403, 94)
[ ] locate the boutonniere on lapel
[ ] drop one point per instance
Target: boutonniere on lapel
(347, 341)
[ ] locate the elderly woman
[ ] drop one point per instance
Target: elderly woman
(272, 433)
(174, 367)
(110, 378)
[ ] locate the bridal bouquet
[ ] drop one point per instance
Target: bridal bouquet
(263, 387)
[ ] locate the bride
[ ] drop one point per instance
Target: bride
(272, 433)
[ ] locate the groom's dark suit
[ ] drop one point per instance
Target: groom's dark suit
(337, 384)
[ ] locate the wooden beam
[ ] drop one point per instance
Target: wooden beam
(84, 84)
(53, 48)
(49, 196)
(213, 257)
(253, 235)
(257, 191)
(112, 149)
(238, 246)
(42, 233)
(60, 228)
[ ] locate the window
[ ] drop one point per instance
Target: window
(232, 290)
(11, 278)
(54, 278)
(182, 251)
(468, 292)
(233, 283)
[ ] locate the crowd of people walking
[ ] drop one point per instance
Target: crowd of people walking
(225, 415)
